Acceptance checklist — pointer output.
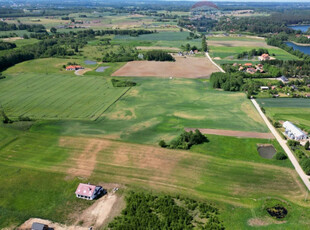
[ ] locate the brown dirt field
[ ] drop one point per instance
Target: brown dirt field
(54, 225)
(12, 39)
(157, 48)
(84, 155)
(233, 133)
(261, 44)
(189, 67)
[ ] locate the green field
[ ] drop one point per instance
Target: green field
(165, 39)
(295, 110)
(55, 96)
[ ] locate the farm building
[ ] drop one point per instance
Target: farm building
(294, 132)
(284, 79)
(88, 191)
(264, 87)
(264, 57)
(74, 67)
(248, 64)
(39, 226)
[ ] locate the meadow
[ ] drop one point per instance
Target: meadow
(295, 110)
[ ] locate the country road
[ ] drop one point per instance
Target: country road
(305, 178)
(220, 68)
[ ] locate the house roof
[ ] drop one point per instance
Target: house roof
(293, 129)
(248, 64)
(38, 226)
(85, 189)
(265, 55)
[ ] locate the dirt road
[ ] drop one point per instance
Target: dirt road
(305, 178)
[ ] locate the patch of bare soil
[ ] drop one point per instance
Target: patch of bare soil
(97, 214)
(81, 72)
(233, 133)
(56, 226)
(257, 222)
(85, 157)
(183, 67)
(12, 39)
(262, 44)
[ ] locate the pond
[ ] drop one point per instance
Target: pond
(303, 28)
(266, 151)
(304, 49)
(102, 69)
(88, 62)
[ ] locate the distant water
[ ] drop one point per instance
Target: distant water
(102, 69)
(303, 28)
(304, 49)
(88, 62)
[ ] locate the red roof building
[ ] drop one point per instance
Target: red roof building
(264, 57)
(88, 191)
(74, 67)
(248, 64)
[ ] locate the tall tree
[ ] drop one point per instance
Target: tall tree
(204, 44)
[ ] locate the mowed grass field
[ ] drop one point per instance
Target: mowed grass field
(55, 96)
(296, 110)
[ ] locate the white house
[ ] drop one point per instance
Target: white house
(293, 131)
(264, 87)
(88, 191)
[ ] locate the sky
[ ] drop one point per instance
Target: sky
(253, 0)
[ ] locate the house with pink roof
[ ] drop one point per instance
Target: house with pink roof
(88, 191)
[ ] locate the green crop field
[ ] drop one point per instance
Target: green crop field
(169, 39)
(56, 96)
(161, 108)
(295, 110)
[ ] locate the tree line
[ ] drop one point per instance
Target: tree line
(30, 28)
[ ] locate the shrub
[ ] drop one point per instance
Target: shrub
(305, 164)
(293, 143)
(187, 139)
(122, 83)
(162, 144)
(277, 124)
(280, 156)
(307, 145)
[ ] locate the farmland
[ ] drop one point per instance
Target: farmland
(291, 109)
(59, 129)
(55, 96)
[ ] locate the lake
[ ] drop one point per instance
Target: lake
(304, 49)
(303, 28)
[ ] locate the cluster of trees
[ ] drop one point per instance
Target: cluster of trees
(147, 211)
(203, 24)
(291, 68)
(186, 140)
(30, 28)
(158, 55)
(6, 45)
(227, 81)
(252, 53)
(122, 83)
(188, 47)
(133, 33)
(122, 54)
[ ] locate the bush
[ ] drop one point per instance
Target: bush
(293, 143)
(280, 156)
(307, 145)
(122, 83)
(277, 211)
(162, 144)
(187, 139)
(277, 124)
(305, 164)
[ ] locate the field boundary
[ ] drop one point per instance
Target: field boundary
(220, 68)
(233, 133)
(112, 103)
